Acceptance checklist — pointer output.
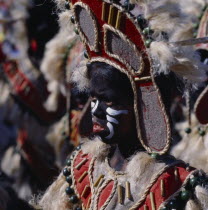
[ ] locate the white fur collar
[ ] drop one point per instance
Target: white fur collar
(139, 164)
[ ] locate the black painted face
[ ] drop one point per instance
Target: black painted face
(112, 107)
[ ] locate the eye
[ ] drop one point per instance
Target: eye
(109, 103)
(93, 102)
(93, 99)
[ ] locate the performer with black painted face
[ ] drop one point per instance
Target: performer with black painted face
(113, 112)
(112, 104)
(125, 164)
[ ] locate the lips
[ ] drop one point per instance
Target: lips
(97, 127)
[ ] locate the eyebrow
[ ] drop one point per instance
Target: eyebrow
(107, 96)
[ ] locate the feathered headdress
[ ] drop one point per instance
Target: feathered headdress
(140, 40)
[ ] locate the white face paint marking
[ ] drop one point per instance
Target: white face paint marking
(112, 120)
(92, 104)
(114, 112)
(110, 127)
(95, 107)
(206, 61)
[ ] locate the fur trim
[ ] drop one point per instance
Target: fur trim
(140, 171)
(192, 205)
(60, 4)
(4, 92)
(51, 103)
(169, 16)
(139, 163)
(55, 138)
(52, 64)
(96, 148)
(182, 61)
(164, 15)
(55, 197)
(202, 195)
(11, 161)
(190, 145)
(79, 76)
(193, 7)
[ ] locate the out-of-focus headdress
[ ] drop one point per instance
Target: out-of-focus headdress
(201, 104)
(26, 83)
(139, 40)
(203, 28)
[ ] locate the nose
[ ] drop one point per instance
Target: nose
(99, 110)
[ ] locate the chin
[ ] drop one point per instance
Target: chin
(111, 141)
(101, 135)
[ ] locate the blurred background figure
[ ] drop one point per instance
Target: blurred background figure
(39, 111)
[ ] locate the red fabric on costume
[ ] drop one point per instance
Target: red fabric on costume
(171, 186)
(78, 173)
(104, 195)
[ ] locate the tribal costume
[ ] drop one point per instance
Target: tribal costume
(130, 45)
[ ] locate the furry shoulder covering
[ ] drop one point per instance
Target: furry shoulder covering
(55, 197)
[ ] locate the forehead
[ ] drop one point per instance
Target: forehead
(104, 80)
(100, 85)
(109, 90)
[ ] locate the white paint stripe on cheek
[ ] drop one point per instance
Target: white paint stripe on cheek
(95, 107)
(114, 112)
(110, 127)
(92, 104)
(112, 120)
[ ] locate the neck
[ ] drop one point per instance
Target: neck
(121, 152)
(117, 160)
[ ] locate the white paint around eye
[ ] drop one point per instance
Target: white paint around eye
(114, 112)
(95, 107)
(111, 119)
(110, 127)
